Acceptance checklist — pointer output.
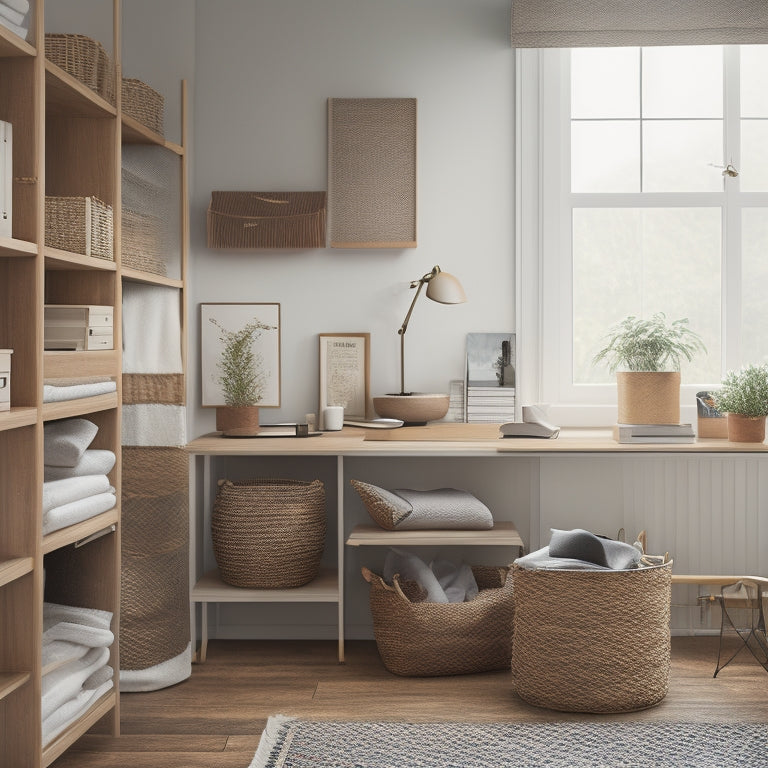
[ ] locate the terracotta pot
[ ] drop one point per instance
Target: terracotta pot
(238, 419)
(746, 429)
(648, 397)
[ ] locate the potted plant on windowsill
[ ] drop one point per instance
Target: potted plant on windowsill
(649, 353)
(744, 397)
(241, 377)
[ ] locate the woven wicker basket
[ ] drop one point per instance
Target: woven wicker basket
(266, 220)
(79, 225)
(143, 103)
(85, 59)
(422, 639)
(592, 641)
(268, 533)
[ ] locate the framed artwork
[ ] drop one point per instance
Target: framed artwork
(345, 374)
(241, 335)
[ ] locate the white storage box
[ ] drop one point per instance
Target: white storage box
(5, 379)
(78, 327)
(6, 180)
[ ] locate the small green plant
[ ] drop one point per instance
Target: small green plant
(241, 376)
(744, 392)
(649, 345)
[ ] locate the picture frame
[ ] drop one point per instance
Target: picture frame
(218, 318)
(345, 374)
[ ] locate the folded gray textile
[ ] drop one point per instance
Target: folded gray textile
(581, 550)
(443, 581)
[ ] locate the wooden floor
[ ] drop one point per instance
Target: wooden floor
(214, 719)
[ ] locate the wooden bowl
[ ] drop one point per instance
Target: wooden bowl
(416, 408)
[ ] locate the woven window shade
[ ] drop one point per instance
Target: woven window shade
(573, 23)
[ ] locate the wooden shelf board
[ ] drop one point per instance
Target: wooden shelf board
(83, 405)
(12, 45)
(94, 362)
(211, 589)
(17, 417)
(503, 534)
(137, 276)
(66, 95)
(70, 735)
(10, 570)
(10, 247)
(73, 533)
(58, 259)
(10, 681)
(134, 132)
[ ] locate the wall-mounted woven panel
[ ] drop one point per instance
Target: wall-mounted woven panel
(372, 173)
(266, 220)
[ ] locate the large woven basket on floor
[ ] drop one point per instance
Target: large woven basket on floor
(429, 639)
(592, 641)
(268, 533)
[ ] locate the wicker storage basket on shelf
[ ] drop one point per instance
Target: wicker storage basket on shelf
(85, 59)
(143, 103)
(422, 639)
(268, 533)
(141, 238)
(79, 225)
(266, 220)
(592, 641)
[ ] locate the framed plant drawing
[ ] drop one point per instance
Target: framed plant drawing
(345, 374)
(240, 341)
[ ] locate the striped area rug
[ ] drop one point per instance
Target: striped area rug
(295, 743)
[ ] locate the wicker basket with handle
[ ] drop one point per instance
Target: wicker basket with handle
(424, 639)
(85, 59)
(592, 641)
(269, 533)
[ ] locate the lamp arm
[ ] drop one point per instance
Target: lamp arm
(401, 332)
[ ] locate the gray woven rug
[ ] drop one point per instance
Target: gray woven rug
(295, 743)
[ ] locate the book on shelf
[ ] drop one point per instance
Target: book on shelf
(654, 433)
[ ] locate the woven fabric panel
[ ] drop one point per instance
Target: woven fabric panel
(163, 388)
(570, 23)
(372, 173)
(154, 606)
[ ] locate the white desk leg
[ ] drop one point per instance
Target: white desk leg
(340, 544)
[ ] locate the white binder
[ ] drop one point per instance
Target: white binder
(6, 179)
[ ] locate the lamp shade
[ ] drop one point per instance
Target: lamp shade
(445, 289)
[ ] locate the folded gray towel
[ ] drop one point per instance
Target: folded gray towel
(579, 544)
(65, 441)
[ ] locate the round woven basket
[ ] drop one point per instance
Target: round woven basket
(428, 639)
(592, 641)
(268, 533)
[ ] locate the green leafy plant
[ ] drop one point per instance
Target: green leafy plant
(241, 376)
(744, 392)
(649, 345)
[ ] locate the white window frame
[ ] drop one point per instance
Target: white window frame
(543, 235)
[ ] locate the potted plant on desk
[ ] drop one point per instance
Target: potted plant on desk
(649, 352)
(241, 377)
(744, 397)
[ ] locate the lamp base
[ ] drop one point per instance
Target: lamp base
(413, 409)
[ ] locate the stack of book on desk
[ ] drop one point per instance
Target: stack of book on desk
(653, 433)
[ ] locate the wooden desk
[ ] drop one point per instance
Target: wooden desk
(446, 441)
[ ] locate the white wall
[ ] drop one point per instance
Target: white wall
(263, 73)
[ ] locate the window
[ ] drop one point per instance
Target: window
(650, 194)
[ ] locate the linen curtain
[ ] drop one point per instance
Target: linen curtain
(574, 23)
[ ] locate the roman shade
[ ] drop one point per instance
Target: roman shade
(573, 23)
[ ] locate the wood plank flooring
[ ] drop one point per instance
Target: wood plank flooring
(214, 719)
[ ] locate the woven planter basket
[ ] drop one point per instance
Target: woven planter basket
(143, 103)
(421, 639)
(592, 641)
(80, 225)
(269, 533)
(85, 59)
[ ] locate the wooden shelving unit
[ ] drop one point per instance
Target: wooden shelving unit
(67, 141)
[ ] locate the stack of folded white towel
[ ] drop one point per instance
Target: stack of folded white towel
(13, 16)
(57, 390)
(76, 486)
(75, 658)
